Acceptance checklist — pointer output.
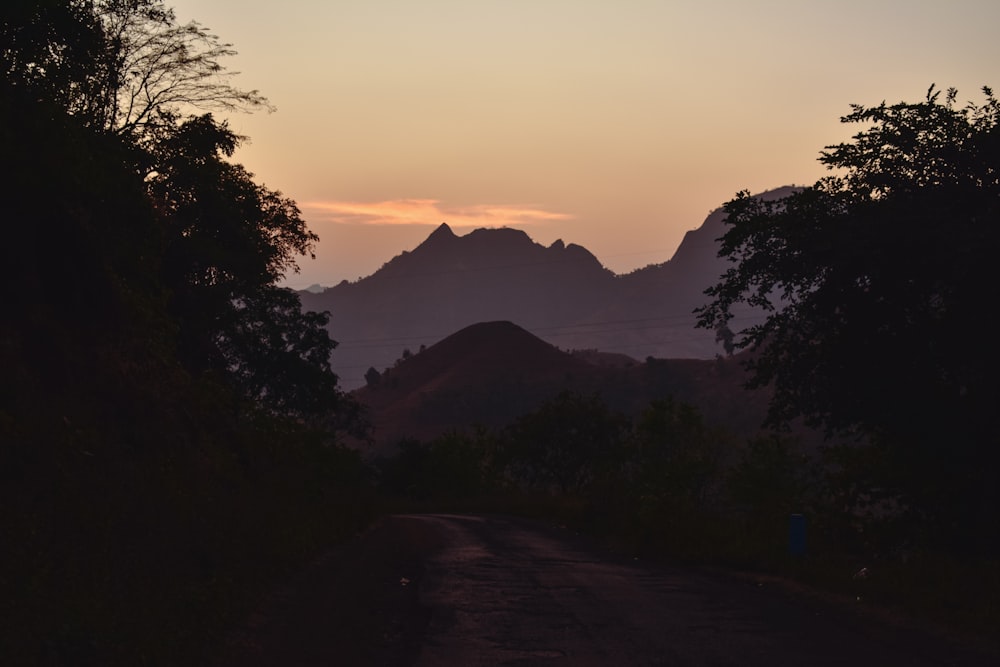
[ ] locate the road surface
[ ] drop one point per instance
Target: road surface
(439, 589)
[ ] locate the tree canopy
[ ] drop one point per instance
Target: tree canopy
(214, 243)
(122, 66)
(877, 284)
(168, 418)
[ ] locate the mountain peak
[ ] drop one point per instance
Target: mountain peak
(439, 240)
(443, 231)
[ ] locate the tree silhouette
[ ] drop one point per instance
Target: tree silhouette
(875, 281)
(228, 242)
(168, 416)
(674, 456)
(121, 66)
(566, 443)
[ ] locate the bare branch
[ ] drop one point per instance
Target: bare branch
(152, 68)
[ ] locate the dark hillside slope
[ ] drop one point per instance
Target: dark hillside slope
(480, 352)
(491, 373)
(487, 373)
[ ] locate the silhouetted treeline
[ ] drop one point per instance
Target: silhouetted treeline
(667, 483)
(666, 479)
(878, 283)
(168, 418)
(169, 423)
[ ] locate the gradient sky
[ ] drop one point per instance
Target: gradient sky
(614, 124)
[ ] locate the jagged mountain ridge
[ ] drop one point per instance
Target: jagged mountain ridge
(560, 293)
(450, 281)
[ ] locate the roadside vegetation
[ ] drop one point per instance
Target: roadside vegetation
(169, 423)
(876, 284)
(171, 432)
(667, 485)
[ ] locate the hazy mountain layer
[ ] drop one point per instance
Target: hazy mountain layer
(560, 293)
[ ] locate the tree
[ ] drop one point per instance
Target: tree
(153, 372)
(675, 456)
(158, 67)
(219, 243)
(876, 283)
(372, 377)
(122, 66)
(47, 45)
(228, 242)
(566, 444)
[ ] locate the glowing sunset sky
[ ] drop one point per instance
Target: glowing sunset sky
(615, 124)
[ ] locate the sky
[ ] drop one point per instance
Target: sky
(614, 124)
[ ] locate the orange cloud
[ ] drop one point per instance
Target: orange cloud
(426, 211)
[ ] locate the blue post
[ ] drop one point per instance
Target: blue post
(797, 535)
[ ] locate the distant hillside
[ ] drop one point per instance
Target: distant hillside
(560, 293)
(652, 308)
(488, 373)
(491, 373)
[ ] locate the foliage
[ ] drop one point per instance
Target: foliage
(228, 241)
(773, 479)
(770, 477)
(372, 377)
(675, 456)
(565, 444)
(121, 66)
(168, 418)
(205, 238)
(678, 487)
(454, 466)
(875, 281)
(49, 47)
(232, 229)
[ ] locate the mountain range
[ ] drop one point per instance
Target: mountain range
(560, 293)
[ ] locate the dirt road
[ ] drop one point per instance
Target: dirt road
(463, 590)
